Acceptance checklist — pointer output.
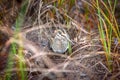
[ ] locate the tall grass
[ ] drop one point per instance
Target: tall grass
(15, 49)
(10, 61)
(107, 26)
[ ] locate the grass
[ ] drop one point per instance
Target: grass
(15, 50)
(107, 27)
(107, 24)
(10, 62)
(69, 49)
(63, 6)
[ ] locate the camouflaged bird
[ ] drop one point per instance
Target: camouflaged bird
(60, 42)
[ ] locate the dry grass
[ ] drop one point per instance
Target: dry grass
(87, 59)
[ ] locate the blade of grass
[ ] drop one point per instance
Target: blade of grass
(10, 61)
(18, 24)
(102, 35)
(21, 15)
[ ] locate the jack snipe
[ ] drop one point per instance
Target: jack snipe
(60, 42)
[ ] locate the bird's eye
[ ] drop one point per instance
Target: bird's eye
(59, 31)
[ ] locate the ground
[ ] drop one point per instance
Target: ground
(85, 58)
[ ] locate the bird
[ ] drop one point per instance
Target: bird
(60, 42)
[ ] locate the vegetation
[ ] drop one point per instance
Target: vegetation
(93, 34)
